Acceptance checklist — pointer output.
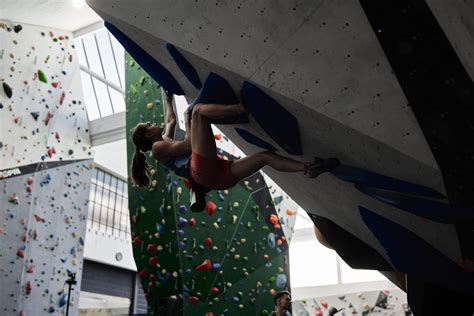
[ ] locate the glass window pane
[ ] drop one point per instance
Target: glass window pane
(80, 52)
(119, 53)
(117, 100)
(89, 97)
(102, 97)
(92, 54)
(107, 57)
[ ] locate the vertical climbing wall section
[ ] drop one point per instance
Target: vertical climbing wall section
(229, 259)
(45, 170)
(151, 210)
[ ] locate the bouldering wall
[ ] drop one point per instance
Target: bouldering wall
(229, 259)
(339, 78)
(45, 170)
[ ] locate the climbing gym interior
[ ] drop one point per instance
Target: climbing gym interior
(386, 87)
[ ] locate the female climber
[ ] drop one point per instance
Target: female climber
(195, 158)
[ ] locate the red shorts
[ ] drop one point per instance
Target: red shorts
(214, 174)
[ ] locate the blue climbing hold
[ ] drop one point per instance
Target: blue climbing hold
(367, 178)
(254, 140)
(217, 90)
(281, 281)
(157, 71)
(275, 120)
(185, 66)
(416, 256)
(435, 211)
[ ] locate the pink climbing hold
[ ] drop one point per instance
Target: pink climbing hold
(19, 253)
(205, 266)
(211, 207)
(193, 299)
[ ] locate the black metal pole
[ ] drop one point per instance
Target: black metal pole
(71, 281)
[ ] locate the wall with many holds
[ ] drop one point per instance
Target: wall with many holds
(232, 257)
(343, 79)
(45, 170)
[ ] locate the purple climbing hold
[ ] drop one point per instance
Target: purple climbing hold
(182, 222)
(7, 89)
(183, 209)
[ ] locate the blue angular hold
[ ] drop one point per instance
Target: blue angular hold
(367, 178)
(254, 140)
(432, 210)
(216, 267)
(63, 300)
(160, 229)
(416, 257)
(275, 120)
(217, 90)
(185, 66)
(157, 71)
(281, 281)
(183, 209)
(182, 222)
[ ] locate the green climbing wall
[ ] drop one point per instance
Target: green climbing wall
(229, 259)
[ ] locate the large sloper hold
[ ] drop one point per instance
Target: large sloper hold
(253, 139)
(414, 256)
(367, 178)
(217, 90)
(351, 249)
(433, 210)
(156, 70)
(185, 66)
(279, 123)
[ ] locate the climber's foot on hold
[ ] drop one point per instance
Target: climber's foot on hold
(320, 166)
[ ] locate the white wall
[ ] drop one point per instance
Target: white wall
(44, 207)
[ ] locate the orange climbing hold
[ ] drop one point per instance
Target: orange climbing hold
(290, 212)
(273, 219)
(205, 266)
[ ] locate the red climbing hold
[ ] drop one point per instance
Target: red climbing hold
(38, 218)
(47, 118)
(136, 241)
(187, 184)
(152, 248)
(142, 274)
(193, 299)
(211, 207)
(218, 137)
(29, 269)
(152, 278)
(55, 84)
(56, 135)
(61, 100)
(324, 303)
(214, 291)
(70, 58)
(208, 242)
(192, 222)
(318, 312)
(51, 152)
(153, 261)
(209, 314)
(206, 265)
(28, 288)
(22, 313)
(29, 181)
(25, 237)
(19, 253)
(28, 189)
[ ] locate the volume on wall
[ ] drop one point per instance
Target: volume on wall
(45, 170)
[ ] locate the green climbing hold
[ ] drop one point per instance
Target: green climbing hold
(133, 90)
(142, 80)
(42, 76)
(132, 63)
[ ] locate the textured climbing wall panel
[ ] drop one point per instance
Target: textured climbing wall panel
(340, 70)
(232, 257)
(387, 302)
(43, 222)
(44, 119)
(45, 175)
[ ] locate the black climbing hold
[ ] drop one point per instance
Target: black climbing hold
(17, 28)
(70, 152)
(7, 89)
(35, 115)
